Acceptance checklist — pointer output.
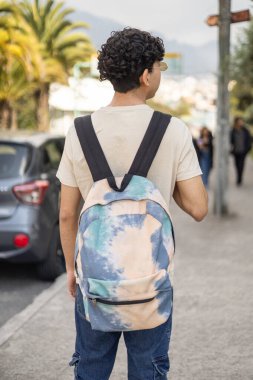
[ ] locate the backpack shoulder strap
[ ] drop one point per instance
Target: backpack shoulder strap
(150, 144)
(145, 155)
(91, 148)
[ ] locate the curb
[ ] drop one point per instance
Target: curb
(18, 321)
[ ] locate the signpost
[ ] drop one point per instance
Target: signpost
(240, 16)
(223, 20)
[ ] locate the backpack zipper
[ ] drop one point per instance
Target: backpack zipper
(118, 303)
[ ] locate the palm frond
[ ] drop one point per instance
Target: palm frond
(58, 17)
(70, 40)
(53, 33)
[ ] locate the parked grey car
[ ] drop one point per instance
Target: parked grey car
(29, 202)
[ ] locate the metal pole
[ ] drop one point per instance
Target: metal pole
(222, 132)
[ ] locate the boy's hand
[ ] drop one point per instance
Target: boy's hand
(71, 282)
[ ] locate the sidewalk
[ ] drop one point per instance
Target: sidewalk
(213, 313)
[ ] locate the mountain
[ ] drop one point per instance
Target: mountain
(195, 59)
(100, 28)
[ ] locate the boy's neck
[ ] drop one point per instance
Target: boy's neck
(130, 98)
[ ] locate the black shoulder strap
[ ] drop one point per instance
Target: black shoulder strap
(150, 144)
(92, 149)
(145, 155)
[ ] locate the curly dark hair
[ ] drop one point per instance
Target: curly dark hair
(125, 55)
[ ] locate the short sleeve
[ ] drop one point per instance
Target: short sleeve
(188, 165)
(65, 171)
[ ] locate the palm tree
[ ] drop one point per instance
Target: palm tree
(14, 87)
(5, 9)
(18, 58)
(61, 45)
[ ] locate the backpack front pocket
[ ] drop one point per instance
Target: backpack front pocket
(134, 304)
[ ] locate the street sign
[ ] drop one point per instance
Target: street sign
(173, 55)
(240, 16)
(212, 20)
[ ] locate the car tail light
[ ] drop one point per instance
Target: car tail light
(31, 193)
(21, 241)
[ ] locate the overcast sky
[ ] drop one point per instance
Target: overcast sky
(182, 20)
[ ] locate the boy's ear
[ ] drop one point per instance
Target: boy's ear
(144, 78)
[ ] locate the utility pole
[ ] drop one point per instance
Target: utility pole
(223, 21)
(223, 129)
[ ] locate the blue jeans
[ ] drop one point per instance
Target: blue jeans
(205, 165)
(95, 351)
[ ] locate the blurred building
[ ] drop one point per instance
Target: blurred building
(199, 92)
(81, 97)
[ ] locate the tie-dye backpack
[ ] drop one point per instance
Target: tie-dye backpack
(125, 241)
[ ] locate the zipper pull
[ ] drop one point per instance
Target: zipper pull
(94, 301)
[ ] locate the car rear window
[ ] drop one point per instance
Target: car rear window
(14, 159)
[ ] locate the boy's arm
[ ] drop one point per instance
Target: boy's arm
(191, 196)
(69, 214)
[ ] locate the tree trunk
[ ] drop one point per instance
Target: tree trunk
(5, 115)
(14, 120)
(43, 108)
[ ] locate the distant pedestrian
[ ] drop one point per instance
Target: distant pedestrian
(195, 144)
(205, 153)
(241, 144)
(120, 272)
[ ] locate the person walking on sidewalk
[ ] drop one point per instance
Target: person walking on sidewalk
(205, 146)
(125, 231)
(241, 145)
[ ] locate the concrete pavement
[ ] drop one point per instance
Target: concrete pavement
(212, 328)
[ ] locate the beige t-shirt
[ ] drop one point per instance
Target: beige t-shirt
(120, 131)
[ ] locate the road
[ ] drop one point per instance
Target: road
(18, 287)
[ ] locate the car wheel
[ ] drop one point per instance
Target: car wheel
(54, 264)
